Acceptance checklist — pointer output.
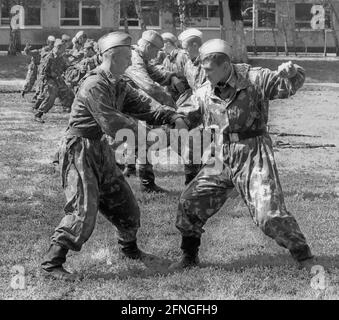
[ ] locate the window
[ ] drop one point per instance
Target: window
(150, 13)
(80, 13)
(32, 12)
(203, 15)
(5, 12)
(303, 16)
(247, 13)
(266, 14)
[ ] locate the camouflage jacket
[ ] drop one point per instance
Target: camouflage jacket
(175, 62)
(245, 99)
(45, 51)
(75, 73)
(35, 54)
(149, 77)
(53, 68)
(107, 104)
(194, 73)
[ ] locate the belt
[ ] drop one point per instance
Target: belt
(238, 136)
(89, 133)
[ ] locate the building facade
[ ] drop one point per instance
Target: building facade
(267, 24)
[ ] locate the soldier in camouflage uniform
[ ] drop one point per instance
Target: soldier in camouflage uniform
(174, 61)
(235, 100)
(33, 73)
(150, 78)
(53, 84)
(90, 178)
(78, 71)
(191, 40)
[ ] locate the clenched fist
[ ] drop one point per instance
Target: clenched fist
(287, 70)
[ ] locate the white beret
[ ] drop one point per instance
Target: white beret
(80, 34)
(190, 33)
(153, 37)
(215, 46)
(51, 38)
(114, 39)
(167, 36)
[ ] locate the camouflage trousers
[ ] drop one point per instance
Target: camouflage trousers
(93, 183)
(49, 91)
(31, 77)
(249, 167)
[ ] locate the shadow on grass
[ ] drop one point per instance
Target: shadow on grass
(263, 260)
(154, 266)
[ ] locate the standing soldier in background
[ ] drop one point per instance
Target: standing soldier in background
(174, 61)
(235, 99)
(91, 180)
(33, 68)
(32, 72)
(53, 84)
(191, 41)
(150, 78)
(78, 71)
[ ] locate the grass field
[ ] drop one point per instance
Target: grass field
(238, 261)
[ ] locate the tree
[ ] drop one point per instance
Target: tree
(269, 21)
(239, 43)
(221, 16)
(180, 11)
(123, 5)
(334, 16)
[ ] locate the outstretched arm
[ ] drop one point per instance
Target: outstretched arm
(278, 84)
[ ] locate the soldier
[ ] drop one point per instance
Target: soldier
(150, 78)
(39, 56)
(174, 61)
(67, 41)
(32, 72)
(53, 84)
(235, 100)
(191, 41)
(91, 180)
(77, 53)
(77, 72)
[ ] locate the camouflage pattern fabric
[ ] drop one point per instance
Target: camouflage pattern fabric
(92, 182)
(53, 84)
(175, 62)
(77, 72)
(90, 178)
(32, 72)
(31, 77)
(248, 165)
(150, 78)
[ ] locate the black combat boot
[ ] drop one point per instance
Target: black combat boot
(52, 264)
(151, 188)
(304, 257)
(189, 258)
(130, 250)
(38, 117)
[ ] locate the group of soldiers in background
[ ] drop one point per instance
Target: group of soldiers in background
(56, 70)
(160, 68)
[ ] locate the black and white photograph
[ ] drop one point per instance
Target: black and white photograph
(170, 156)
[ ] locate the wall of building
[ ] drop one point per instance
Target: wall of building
(311, 40)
